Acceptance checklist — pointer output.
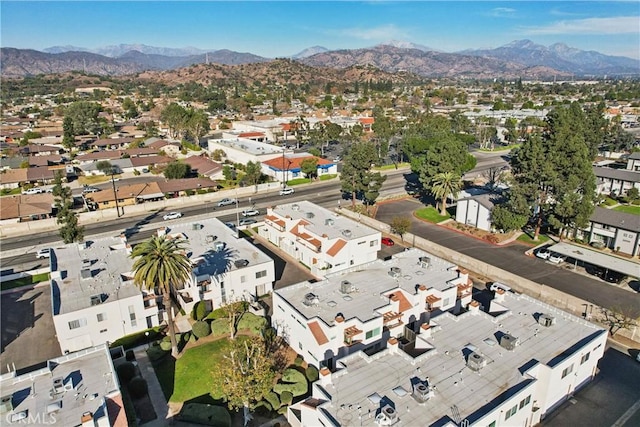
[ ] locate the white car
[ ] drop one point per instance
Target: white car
(226, 201)
(556, 259)
(43, 253)
(497, 285)
(286, 191)
(543, 253)
(172, 215)
(33, 191)
(250, 212)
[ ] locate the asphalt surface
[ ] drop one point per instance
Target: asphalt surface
(511, 258)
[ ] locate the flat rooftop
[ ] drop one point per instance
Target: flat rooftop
(111, 267)
(322, 221)
(371, 281)
(250, 146)
(61, 392)
(444, 366)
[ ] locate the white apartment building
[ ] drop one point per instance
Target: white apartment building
(226, 268)
(77, 389)
(361, 308)
(94, 299)
(243, 150)
(320, 239)
(510, 366)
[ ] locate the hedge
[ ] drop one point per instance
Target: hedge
(199, 311)
(202, 413)
(138, 387)
(251, 322)
(273, 400)
(201, 329)
(286, 398)
(311, 373)
(296, 389)
(220, 326)
(126, 371)
(291, 375)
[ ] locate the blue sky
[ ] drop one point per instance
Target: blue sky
(284, 28)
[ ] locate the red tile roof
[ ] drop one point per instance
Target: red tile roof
(337, 246)
(317, 333)
(366, 120)
(404, 303)
(289, 163)
(251, 134)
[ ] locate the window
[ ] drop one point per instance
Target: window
(567, 370)
(524, 402)
(372, 333)
(103, 331)
(584, 358)
(260, 274)
(493, 424)
(511, 412)
(132, 316)
(243, 279)
(300, 345)
(372, 243)
(75, 324)
(362, 243)
(445, 302)
(102, 317)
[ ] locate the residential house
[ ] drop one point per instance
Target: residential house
(130, 194)
(26, 207)
(509, 366)
(633, 161)
(474, 208)
(204, 166)
(93, 297)
(77, 389)
(360, 308)
(319, 239)
(288, 167)
(40, 175)
(111, 143)
(367, 123)
(616, 181)
(616, 230)
(170, 148)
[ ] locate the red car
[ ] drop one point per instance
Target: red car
(387, 241)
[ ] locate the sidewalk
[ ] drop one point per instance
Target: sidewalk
(160, 405)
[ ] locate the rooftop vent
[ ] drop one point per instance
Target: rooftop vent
(85, 273)
(218, 246)
(210, 238)
(421, 392)
(295, 207)
(310, 214)
(346, 287)
(58, 386)
(346, 233)
(509, 342)
(328, 221)
(387, 416)
(311, 299)
(546, 320)
(86, 263)
(241, 263)
(96, 299)
(6, 404)
(424, 261)
(475, 362)
(395, 272)
(196, 226)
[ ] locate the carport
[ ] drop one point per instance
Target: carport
(599, 259)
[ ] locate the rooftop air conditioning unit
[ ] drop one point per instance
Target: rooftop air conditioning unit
(387, 416)
(310, 214)
(546, 320)
(346, 233)
(475, 362)
(58, 386)
(328, 221)
(311, 299)
(196, 226)
(424, 261)
(218, 246)
(509, 342)
(96, 299)
(85, 273)
(6, 404)
(395, 272)
(346, 287)
(421, 392)
(295, 207)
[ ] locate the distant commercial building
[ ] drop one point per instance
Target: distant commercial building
(320, 239)
(362, 307)
(77, 389)
(509, 366)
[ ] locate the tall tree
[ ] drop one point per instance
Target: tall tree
(309, 167)
(253, 173)
(357, 178)
(70, 230)
(177, 170)
(84, 117)
(445, 184)
(161, 264)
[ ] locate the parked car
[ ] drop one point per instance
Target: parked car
(556, 258)
(247, 221)
(172, 215)
(226, 201)
(614, 277)
(33, 191)
(287, 190)
(43, 253)
(497, 285)
(250, 212)
(231, 225)
(543, 253)
(90, 190)
(387, 241)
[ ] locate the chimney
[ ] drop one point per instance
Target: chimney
(87, 419)
(463, 274)
(425, 330)
(325, 376)
(392, 345)
(474, 307)
(499, 295)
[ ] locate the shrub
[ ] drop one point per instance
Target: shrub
(136, 172)
(296, 389)
(491, 238)
(202, 413)
(252, 323)
(220, 326)
(291, 375)
(273, 400)
(286, 398)
(201, 329)
(138, 387)
(299, 360)
(311, 373)
(126, 371)
(130, 356)
(199, 310)
(165, 345)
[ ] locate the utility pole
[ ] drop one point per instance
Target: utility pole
(115, 194)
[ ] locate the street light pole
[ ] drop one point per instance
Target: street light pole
(115, 194)
(237, 211)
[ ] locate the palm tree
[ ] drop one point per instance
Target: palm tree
(445, 184)
(161, 263)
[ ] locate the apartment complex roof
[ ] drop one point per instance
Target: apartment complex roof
(622, 220)
(621, 174)
(371, 282)
(250, 146)
(389, 375)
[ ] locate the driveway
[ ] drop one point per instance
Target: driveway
(512, 258)
(28, 335)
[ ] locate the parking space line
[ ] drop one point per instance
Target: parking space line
(628, 414)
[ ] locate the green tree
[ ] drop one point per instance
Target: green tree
(400, 225)
(357, 178)
(84, 117)
(70, 231)
(253, 173)
(309, 167)
(247, 373)
(177, 170)
(160, 265)
(228, 172)
(197, 124)
(445, 184)
(68, 137)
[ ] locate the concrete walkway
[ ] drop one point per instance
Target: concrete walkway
(160, 405)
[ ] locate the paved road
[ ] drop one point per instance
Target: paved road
(511, 258)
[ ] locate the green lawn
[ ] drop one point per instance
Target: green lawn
(635, 210)
(524, 238)
(431, 214)
(327, 177)
(298, 181)
(29, 280)
(499, 148)
(391, 166)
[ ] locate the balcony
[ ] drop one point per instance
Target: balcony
(350, 333)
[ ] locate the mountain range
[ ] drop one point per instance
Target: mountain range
(521, 58)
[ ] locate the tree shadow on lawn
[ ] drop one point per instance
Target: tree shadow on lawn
(164, 366)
